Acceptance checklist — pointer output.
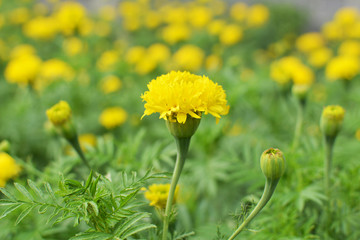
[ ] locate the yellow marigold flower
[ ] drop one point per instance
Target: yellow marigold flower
(350, 47)
(131, 24)
(303, 75)
(107, 13)
(43, 28)
(215, 26)
(146, 65)
(175, 15)
(157, 194)
(342, 67)
(346, 16)
(69, 17)
(353, 31)
(357, 134)
(130, 9)
(8, 168)
(201, 16)
(318, 58)
(332, 31)
(238, 11)
(175, 33)
(59, 114)
(152, 19)
(135, 54)
(19, 15)
(110, 84)
(23, 70)
(87, 140)
(189, 57)
(159, 52)
(309, 42)
(257, 16)
(107, 60)
(73, 46)
(178, 94)
(21, 50)
(231, 34)
(213, 62)
(113, 117)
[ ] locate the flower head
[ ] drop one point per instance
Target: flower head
(179, 94)
(331, 120)
(8, 168)
(59, 114)
(157, 194)
(113, 117)
(272, 163)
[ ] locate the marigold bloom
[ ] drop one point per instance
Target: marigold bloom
(113, 117)
(332, 31)
(110, 84)
(23, 70)
(179, 94)
(87, 140)
(342, 67)
(238, 11)
(350, 47)
(59, 114)
(231, 34)
(201, 16)
(346, 16)
(175, 33)
(70, 16)
(320, 57)
(43, 28)
(309, 42)
(107, 60)
(189, 57)
(22, 50)
(8, 168)
(73, 46)
(257, 16)
(157, 194)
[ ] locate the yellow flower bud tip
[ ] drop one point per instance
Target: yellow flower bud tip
(272, 163)
(59, 114)
(331, 120)
(157, 194)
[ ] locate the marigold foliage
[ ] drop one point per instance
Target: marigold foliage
(178, 94)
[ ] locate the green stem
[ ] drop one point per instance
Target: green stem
(299, 123)
(268, 192)
(329, 144)
(182, 145)
(74, 142)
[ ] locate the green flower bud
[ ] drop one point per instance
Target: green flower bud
(331, 120)
(4, 146)
(183, 130)
(272, 163)
(300, 91)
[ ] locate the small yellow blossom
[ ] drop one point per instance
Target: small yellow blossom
(87, 140)
(159, 52)
(152, 19)
(73, 46)
(8, 168)
(19, 15)
(309, 42)
(146, 65)
(102, 28)
(189, 57)
(257, 15)
(69, 17)
(213, 62)
(130, 9)
(175, 15)
(238, 11)
(107, 60)
(350, 48)
(231, 34)
(318, 58)
(332, 31)
(23, 69)
(215, 27)
(179, 94)
(113, 117)
(347, 16)
(175, 33)
(342, 67)
(43, 28)
(59, 114)
(110, 84)
(157, 194)
(135, 54)
(201, 16)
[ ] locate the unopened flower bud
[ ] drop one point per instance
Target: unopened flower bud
(300, 91)
(183, 130)
(4, 146)
(331, 120)
(272, 163)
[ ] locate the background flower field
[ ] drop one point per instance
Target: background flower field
(101, 61)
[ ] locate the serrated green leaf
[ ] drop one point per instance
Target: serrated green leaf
(10, 209)
(50, 191)
(135, 229)
(53, 214)
(89, 180)
(94, 207)
(23, 214)
(92, 236)
(36, 190)
(42, 209)
(7, 194)
(129, 222)
(7, 202)
(24, 191)
(93, 186)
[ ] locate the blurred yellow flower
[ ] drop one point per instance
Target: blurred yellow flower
(303, 75)
(102, 28)
(346, 16)
(175, 33)
(213, 62)
(135, 54)
(8, 168)
(52, 70)
(231, 34)
(332, 31)
(107, 60)
(175, 15)
(159, 52)
(146, 65)
(72, 46)
(179, 94)
(110, 84)
(107, 13)
(152, 19)
(200, 16)
(87, 140)
(319, 57)
(309, 42)
(43, 28)
(189, 57)
(69, 17)
(257, 16)
(19, 15)
(238, 11)
(21, 50)
(157, 194)
(342, 68)
(215, 26)
(23, 69)
(130, 9)
(350, 48)
(113, 117)
(59, 114)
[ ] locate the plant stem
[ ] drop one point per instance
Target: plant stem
(182, 145)
(74, 142)
(329, 144)
(268, 192)
(299, 123)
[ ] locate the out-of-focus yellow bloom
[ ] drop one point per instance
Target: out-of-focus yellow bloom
(152, 19)
(19, 15)
(130, 9)
(8, 168)
(215, 26)
(86, 27)
(343, 68)
(346, 16)
(107, 13)
(87, 140)
(40, 9)
(110, 84)
(238, 11)
(59, 114)
(175, 33)
(73, 46)
(350, 48)
(213, 63)
(200, 16)
(107, 60)
(135, 54)
(257, 16)
(43, 28)
(157, 194)
(189, 57)
(179, 94)
(174, 15)
(332, 31)
(132, 24)
(303, 75)
(146, 65)
(309, 42)
(102, 28)
(69, 17)
(231, 34)
(357, 134)
(319, 57)
(159, 52)
(113, 117)
(21, 50)
(52, 70)
(23, 69)
(353, 31)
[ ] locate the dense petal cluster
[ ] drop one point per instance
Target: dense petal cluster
(343, 68)
(157, 194)
(178, 94)
(59, 114)
(8, 168)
